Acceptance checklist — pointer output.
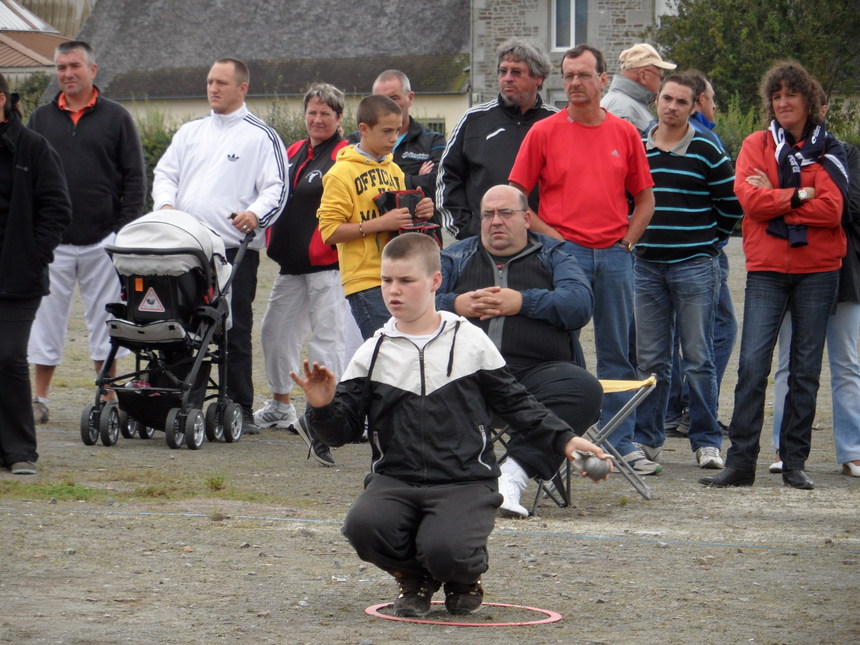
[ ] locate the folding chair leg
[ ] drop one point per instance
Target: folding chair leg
(560, 490)
(626, 469)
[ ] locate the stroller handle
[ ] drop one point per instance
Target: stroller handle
(240, 254)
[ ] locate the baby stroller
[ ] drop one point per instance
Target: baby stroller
(174, 320)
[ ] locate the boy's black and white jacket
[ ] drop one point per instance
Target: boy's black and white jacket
(430, 410)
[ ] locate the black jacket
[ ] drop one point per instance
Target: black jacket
(103, 160)
(480, 155)
(38, 210)
(294, 240)
(430, 410)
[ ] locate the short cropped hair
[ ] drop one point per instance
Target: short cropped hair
(414, 247)
(579, 50)
(328, 94)
(521, 50)
(76, 45)
(686, 79)
(390, 74)
(240, 69)
(700, 80)
(373, 107)
(794, 77)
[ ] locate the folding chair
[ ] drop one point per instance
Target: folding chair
(558, 489)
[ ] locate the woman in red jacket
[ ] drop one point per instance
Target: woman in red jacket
(791, 180)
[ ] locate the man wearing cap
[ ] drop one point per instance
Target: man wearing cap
(635, 85)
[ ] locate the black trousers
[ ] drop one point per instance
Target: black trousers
(240, 367)
(17, 430)
(440, 530)
(573, 395)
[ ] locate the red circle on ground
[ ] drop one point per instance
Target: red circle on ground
(551, 616)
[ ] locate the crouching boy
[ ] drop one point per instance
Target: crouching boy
(428, 383)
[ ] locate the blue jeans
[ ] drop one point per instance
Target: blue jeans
(683, 294)
(369, 310)
(725, 334)
(808, 298)
(610, 272)
(842, 333)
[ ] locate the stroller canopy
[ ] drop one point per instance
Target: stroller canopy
(169, 242)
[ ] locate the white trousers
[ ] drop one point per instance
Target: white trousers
(91, 268)
(297, 304)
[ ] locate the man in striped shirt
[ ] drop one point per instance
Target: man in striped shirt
(676, 270)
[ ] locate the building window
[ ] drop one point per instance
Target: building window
(569, 23)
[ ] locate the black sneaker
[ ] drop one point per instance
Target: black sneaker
(462, 600)
(316, 449)
(248, 425)
(416, 594)
(682, 428)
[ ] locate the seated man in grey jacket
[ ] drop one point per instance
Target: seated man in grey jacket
(530, 297)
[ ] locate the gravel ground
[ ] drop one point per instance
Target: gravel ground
(240, 542)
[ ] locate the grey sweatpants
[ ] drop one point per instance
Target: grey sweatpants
(440, 530)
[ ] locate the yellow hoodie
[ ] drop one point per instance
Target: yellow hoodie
(348, 191)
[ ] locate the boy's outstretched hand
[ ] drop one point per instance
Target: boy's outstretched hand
(319, 384)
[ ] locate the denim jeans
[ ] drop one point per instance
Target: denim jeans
(610, 272)
(683, 294)
(842, 333)
(369, 310)
(725, 334)
(808, 298)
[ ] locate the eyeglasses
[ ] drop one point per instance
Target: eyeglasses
(504, 213)
(656, 73)
(582, 78)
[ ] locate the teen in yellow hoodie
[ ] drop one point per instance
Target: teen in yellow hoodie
(349, 217)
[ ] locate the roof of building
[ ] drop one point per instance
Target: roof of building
(163, 49)
(28, 48)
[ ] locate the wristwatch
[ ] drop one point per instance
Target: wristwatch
(627, 245)
(803, 194)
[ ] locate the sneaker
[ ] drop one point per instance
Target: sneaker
(248, 425)
(776, 466)
(724, 429)
(276, 415)
(316, 449)
(641, 464)
(651, 452)
(462, 600)
(40, 412)
(709, 457)
(511, 488)
(416, 594)
(682, 428)
(23, 468)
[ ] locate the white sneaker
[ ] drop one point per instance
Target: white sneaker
(511, 487)
(275, 415)
(709, 457)
(641, 464)
(652, 453)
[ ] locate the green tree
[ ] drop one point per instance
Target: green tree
(31, 91)
(735, 41)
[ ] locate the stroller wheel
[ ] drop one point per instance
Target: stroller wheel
(214, 426)
(174, 431)
(129, 429)
(144, 431)
(194, 428)
(89, 425)
(110, 421)
(232, 422)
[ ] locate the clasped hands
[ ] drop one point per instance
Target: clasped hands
(489, 302)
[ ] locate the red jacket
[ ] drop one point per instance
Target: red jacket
(823, 214)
